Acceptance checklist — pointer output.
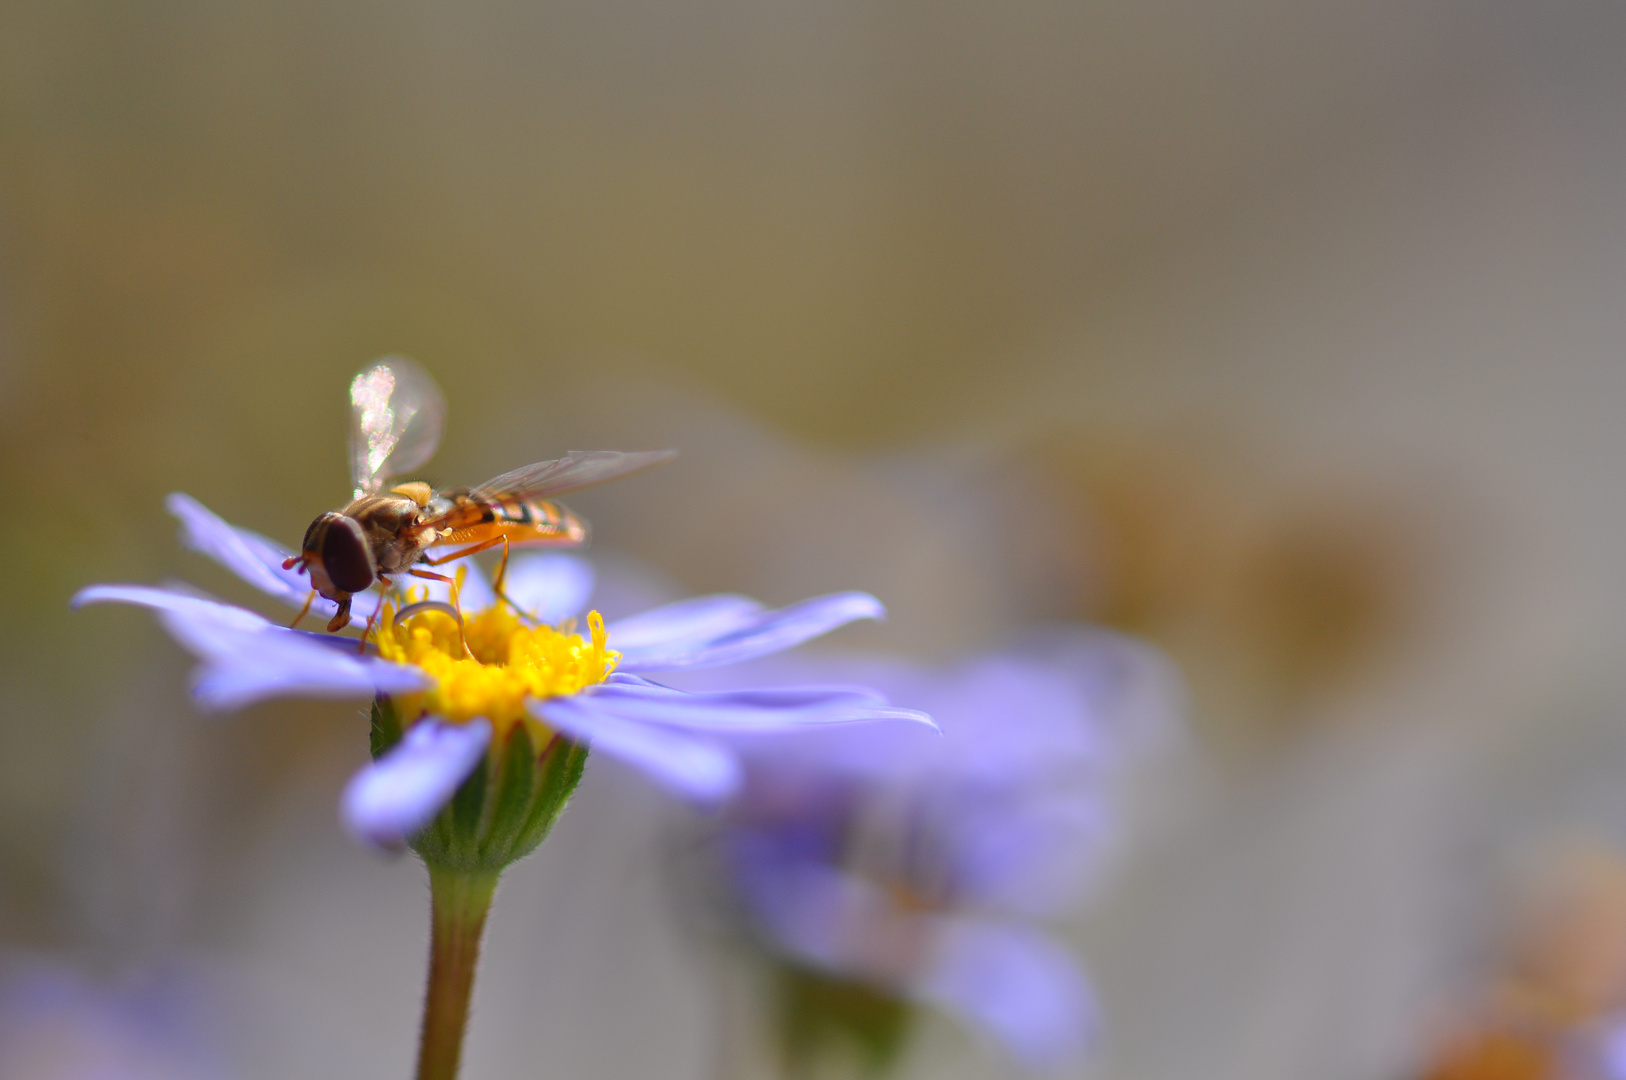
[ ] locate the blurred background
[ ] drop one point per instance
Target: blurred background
(1288, 336)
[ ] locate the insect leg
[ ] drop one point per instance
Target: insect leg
(304, 610)
(383, 587)
(524, 615)
(502, 567)
(502, 572)
(432, 576)
(473, 550)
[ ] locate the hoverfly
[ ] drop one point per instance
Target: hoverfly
(396, 414)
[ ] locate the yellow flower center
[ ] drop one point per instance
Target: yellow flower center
(493, 664)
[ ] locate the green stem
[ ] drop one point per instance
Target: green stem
(460, 902)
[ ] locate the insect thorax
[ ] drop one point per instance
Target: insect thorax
(388, 522)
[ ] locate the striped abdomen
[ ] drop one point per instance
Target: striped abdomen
(521, 521)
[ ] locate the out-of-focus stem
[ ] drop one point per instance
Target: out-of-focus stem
(460, 902)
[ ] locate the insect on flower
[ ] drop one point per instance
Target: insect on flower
(481, 725)
(396, 416)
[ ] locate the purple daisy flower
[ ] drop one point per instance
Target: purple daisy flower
(465, 679)
(918, 869)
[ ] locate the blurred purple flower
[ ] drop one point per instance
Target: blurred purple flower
(918, 867)
(58, 1024)
(682, 740)
(1610, 1049)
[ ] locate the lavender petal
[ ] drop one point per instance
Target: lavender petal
(690, 767)
(247, 658)
(665, 641)
(401, 792)
(698, 618)
(774, 709)
(252, 557)
(279, 669)
(186, 605)
(1013, 984)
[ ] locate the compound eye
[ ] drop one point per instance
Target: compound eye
(345, 556)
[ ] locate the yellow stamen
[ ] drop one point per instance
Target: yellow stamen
(504, 664)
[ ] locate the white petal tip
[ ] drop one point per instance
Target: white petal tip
(90, 594)
(923, 719)
(866, 606)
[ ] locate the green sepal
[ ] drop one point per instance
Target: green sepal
(504, 809)
(823, 1015)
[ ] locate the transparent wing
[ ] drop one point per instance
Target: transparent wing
(577, 469)
(396, 414)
